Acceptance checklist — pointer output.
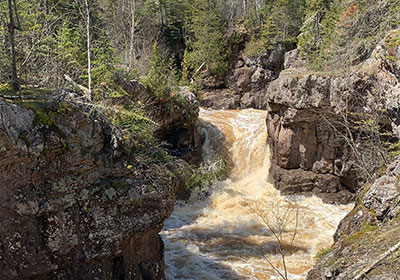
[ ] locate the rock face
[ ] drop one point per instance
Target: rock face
(246, 82)
(369, 231)
(245, 87)
(73, 206)
(306, 155)
(303, 108)
(220, 99)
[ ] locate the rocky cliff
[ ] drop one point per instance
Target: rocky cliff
(73, 204)
(314, 119)
(367, 241)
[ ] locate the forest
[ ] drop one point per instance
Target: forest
(165, 43)
(199, 139)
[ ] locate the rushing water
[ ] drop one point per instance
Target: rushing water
(222, 236)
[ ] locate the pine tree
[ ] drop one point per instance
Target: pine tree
(312, 30)
(207, 44)
(159, 79)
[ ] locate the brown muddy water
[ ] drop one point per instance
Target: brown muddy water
(221, 235)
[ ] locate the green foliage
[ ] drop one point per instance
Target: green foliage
(205, 174)
(137, 128)
(339, 33)
(6, 89)
(104, 69)
(161, 76)
(322, 253)
(277, 23)
(207, 43)
(254, 47)
(319, 21)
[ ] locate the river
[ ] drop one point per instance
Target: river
(236, 231)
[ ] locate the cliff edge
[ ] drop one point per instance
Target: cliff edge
(73, 204)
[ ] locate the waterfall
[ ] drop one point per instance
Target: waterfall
(223, 236)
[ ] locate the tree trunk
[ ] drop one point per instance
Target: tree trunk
(88, 49)
(11, 30)
(133, 9)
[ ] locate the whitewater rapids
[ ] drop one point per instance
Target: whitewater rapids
(222, 236)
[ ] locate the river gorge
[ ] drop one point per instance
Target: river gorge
(224, 234)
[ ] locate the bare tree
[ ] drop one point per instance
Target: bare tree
(13, 25)
(360, 125)
(133, 11)
(278, 218)
(88, 49)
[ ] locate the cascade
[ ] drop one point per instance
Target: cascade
(222, 236)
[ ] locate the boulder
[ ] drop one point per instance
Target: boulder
(293, 60)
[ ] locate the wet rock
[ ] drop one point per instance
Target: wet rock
(326, 186)
(220, 99)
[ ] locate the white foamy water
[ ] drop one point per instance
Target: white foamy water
(223, 236)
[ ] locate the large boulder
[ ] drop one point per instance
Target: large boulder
(73, 204)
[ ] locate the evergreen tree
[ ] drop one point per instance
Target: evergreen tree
(160, 78)
(313, 28)
(280, 23)
(206, 44)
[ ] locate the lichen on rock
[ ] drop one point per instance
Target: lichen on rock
(70, 206)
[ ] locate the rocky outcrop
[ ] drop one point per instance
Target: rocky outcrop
(220, 99)
(307, 114)
(367, 240)
(73, 204)
(306, 154)
(246, 82)
(245, 87)
(176, 119)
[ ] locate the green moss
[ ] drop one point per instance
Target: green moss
(6, 89)
(355, 238)
(46, 112)
(323, 252)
